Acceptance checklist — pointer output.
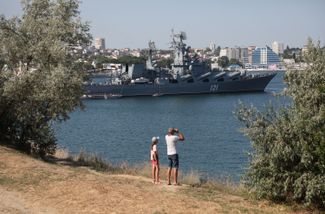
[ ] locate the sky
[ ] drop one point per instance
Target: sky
(228, 23)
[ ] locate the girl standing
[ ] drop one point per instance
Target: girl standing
(154, 160)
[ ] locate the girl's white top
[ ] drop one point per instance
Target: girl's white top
(153, 150)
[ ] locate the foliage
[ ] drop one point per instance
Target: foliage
(40, 82)
(84, 66)
(233, 61)
(223, 61)
(293, 53)
(131, 60)
(288, 162)
(165, 63)
(100, 59)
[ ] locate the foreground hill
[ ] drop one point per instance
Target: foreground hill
(28, 185)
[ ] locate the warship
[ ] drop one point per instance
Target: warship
(187, 75)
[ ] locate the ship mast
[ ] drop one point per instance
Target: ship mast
(150, 63)
(180, 52)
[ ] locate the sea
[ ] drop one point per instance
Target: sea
(120, 130)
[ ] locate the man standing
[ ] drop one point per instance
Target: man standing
(171, 139)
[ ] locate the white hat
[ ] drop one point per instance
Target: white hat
(154, 139)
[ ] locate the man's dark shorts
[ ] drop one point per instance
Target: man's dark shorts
(173, 161)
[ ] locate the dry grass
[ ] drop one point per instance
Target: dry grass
(96, 162)
(192, 178)
(62, 153)
(93, 161)
(203, 189)
(227, 187)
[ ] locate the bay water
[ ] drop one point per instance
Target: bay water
(120, 130)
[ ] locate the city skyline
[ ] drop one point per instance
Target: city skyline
(131, 24)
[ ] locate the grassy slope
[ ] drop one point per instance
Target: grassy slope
(28, 185)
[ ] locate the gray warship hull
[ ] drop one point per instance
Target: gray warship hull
(242, 85)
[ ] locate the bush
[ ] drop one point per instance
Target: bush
(288, 159)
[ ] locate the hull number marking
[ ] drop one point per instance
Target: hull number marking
(213, 88)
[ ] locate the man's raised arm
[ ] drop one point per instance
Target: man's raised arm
(180, 135)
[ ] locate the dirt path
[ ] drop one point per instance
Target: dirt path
(28, 185)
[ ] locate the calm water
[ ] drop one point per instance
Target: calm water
(121, 129)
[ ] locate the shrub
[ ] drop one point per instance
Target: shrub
(288, 158)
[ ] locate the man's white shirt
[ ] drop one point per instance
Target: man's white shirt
(171, 141)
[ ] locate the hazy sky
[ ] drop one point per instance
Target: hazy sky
(132, 23)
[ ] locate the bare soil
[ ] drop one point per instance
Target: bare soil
(28, 185)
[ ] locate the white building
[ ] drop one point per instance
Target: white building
(100, 43)
(135, 53)
(231, 53)
(289, 61)
(235, 53)
(277, 47)
(250, 50)
(223, 52)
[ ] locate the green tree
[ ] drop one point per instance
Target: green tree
(41, 82)
(223, 61)
(84, 66)
(2, 63)
(100, 59)
(207, 49)
(288, 162)
(235, 62)
(165, 63)
(287, 53)
(131, 59)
